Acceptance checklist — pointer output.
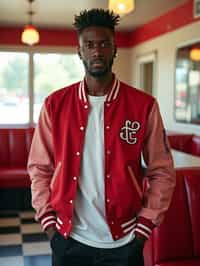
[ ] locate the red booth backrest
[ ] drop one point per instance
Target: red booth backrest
(188, 143)
(15, 145)
(180, 142)
(178, 237)
(195, 145)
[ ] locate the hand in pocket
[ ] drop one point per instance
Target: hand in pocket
(59, 244)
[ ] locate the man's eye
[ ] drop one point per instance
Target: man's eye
(89, 45)
(105, 44)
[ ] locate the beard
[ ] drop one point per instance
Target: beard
(98, 72)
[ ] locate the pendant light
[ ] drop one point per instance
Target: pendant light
(121, 7)
(195, 54)
(30, 35)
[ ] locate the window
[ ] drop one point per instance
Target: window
(52, 72)
(14, 100)
(187, 84)
(27, 78)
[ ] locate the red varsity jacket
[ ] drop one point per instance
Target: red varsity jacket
(132, 127)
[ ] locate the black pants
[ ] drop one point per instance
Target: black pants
(72, 253)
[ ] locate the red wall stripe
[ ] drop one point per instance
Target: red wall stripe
(171, 21)
(12, 36)
(174, 19)
(53, 37)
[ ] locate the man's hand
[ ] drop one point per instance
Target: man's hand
(50, 232)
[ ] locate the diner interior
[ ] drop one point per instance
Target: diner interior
(158, 52)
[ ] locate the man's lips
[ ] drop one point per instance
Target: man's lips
(97, 63)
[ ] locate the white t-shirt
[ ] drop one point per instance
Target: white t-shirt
(89, 221)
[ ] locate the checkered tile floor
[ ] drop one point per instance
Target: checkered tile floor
(22, 243)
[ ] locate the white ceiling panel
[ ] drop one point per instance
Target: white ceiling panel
(60, 13)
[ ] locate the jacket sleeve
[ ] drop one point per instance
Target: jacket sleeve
(160, 174)
(41, 169)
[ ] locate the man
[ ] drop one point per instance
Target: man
(85, 159)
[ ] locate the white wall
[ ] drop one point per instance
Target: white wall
(123, 65)
(165, 46)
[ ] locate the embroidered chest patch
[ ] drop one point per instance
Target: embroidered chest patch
(128, 131)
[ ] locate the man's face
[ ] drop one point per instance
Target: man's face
(97, 50)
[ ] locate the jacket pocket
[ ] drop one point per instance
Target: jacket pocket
(56, 172)
(135, 182)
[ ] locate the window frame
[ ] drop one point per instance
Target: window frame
(178, 47)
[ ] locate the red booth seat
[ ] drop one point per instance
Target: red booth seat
(14, 177)
(14, 148)
(15, 191)
(177, 241)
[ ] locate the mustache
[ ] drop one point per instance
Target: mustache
(97, 61)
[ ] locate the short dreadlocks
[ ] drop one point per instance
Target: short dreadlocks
(96, 17)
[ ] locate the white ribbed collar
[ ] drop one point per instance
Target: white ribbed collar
(111, 96)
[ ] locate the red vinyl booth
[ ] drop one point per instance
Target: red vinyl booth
(14, 180)
(177, 241)
(195, 145)
(188, 143)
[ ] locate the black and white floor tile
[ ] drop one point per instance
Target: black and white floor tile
(22, 243)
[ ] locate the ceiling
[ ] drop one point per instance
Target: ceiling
(60, 13)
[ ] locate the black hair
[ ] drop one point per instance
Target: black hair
(96, 17)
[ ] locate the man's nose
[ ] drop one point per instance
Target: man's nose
(96, 50)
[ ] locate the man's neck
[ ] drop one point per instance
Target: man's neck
(98, 86)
